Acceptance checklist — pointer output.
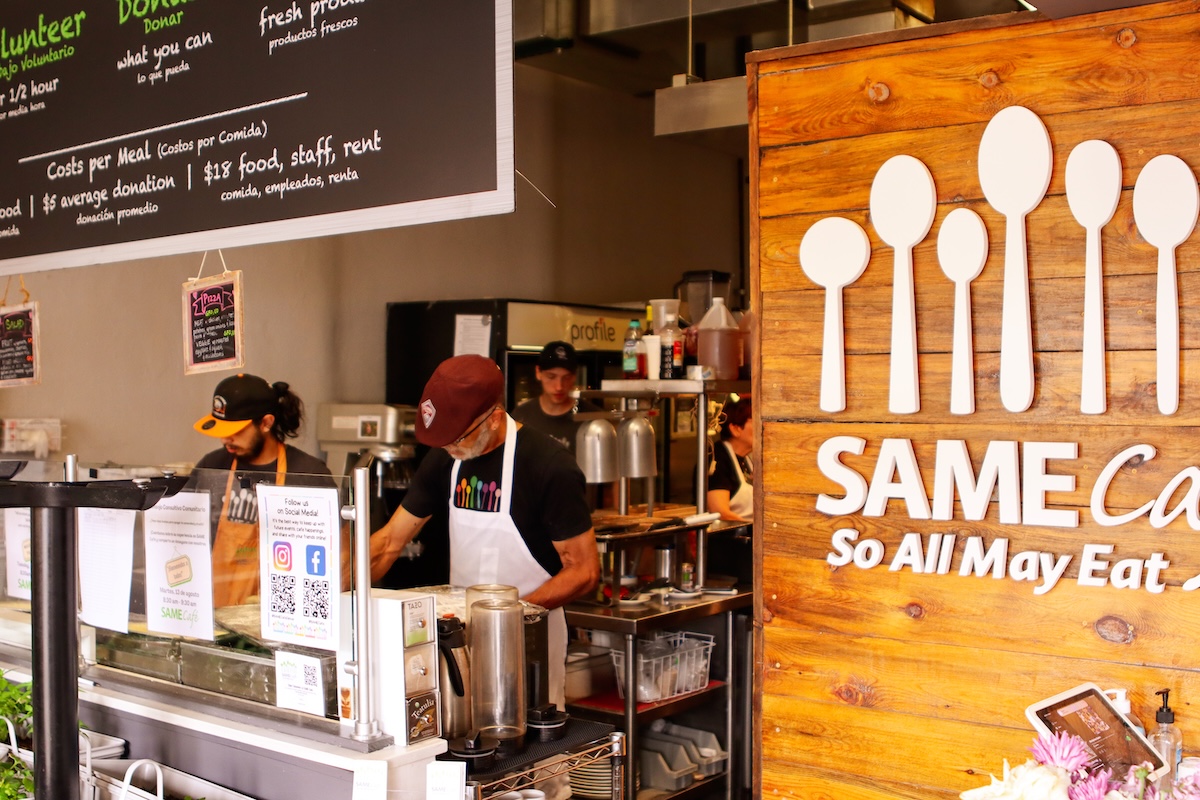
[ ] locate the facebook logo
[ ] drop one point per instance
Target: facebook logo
(314, 558)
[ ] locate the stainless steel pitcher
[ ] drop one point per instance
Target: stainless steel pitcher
(455, 678)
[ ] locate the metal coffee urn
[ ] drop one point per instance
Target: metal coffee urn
(455, 678)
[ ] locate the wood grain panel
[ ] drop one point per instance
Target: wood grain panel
(791, 390)
(946, 753)
(1055, 246)
(963, 78)
(792, 320)
(818, 783)
(1072, 621)
(944, 681)
(1000, 27)
(841, 171)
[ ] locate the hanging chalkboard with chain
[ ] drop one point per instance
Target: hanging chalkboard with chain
(136, 128)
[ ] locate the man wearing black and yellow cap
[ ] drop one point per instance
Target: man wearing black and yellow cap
(252, 418)
(518, 513)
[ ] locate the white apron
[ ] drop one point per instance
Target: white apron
(742, 501)
(486, 547)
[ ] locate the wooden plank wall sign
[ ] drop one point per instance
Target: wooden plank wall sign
(928, 573)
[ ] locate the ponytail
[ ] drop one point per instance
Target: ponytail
(289, 414)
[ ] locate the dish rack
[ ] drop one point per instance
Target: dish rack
(671, 664)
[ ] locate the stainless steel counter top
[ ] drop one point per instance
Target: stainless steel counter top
(638, 620)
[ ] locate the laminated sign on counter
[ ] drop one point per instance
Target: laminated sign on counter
(212, 323)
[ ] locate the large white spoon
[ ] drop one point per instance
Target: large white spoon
(1093, 189)
(833, 254)
(903, 203)
(1015, 160)
(1165, 205)
(962, 249)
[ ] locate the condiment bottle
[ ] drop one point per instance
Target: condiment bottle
(1168, 741)
(746, 324)
(672, 349)
(720, 342)
(634, 352)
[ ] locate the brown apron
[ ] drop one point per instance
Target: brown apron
(235, 548)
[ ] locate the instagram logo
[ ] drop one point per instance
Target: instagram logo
(282, 552)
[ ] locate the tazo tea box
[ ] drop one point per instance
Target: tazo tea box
(419, 621)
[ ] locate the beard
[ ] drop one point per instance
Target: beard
(483, 443)
(251, 451)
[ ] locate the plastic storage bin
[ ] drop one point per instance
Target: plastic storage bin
(589, 671)
(665, 765)
(669, 666)
(702, 748)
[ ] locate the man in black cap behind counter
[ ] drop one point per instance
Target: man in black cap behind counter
(252, 418)
(552, 411)
(518, 514)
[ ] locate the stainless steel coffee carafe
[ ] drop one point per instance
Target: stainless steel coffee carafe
(455, 678)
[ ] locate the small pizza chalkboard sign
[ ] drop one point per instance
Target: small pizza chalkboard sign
(212, 324)
(19, 351)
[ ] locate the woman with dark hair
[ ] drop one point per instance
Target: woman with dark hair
(730, 472)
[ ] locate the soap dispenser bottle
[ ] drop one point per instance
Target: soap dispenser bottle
(1120, 701)
(1168, 741)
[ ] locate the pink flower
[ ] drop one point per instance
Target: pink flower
(1093, 787)
(1136, 783)
(1061, 750)
(1188, 788)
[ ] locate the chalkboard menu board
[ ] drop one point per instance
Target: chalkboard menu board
(212, 324)
(18, 345)
(133, 128)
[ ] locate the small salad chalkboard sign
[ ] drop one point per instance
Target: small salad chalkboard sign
(212, 323)
(19, 362)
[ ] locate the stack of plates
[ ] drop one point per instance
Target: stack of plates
(593, 781)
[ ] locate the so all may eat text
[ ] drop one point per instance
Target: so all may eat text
(1015, 475)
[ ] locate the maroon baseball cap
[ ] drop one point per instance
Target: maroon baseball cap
(460, 389)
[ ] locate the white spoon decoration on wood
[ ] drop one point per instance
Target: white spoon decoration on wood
(903, 204)
(1015, 161)
(962, 249)
(1093, 190)
(833, 254)
(1165, 206)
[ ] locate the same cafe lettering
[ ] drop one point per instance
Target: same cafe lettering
(897, 476)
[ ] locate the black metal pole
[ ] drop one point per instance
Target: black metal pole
(55, 655)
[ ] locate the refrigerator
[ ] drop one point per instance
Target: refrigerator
(420, 335)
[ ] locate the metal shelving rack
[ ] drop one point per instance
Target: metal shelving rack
(634, 622)
(611, 749)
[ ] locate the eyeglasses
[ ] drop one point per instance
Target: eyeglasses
(472, 429)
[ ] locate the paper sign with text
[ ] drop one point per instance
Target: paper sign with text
(105, 566)
(18, 553)
(299, 684)
(179, 596)
(300, 552)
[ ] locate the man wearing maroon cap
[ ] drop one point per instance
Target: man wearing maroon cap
(518, 511)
